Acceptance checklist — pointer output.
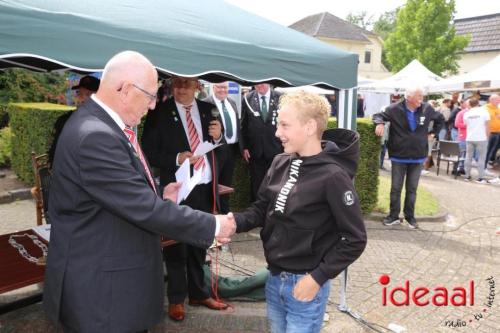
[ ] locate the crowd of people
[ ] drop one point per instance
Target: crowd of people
(411, 129)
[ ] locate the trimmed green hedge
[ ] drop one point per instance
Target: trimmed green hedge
(366, 181)
(32, 127)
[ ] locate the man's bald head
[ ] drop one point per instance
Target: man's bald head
(127, 66)
(494, 100)
(129, 86)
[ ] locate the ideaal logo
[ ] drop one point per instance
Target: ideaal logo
(422, 296)
(439, 296)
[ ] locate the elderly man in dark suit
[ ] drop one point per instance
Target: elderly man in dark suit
(231, 123)
(258, 128)
(104, 270)
(171, 134)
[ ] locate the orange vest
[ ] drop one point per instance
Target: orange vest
(494, 112)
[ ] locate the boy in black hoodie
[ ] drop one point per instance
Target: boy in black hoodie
(308, 208)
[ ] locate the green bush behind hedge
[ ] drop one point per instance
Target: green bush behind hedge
(4, 116)
(32, 127)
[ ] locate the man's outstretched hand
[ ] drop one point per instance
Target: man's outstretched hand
(170, 191)
(227, 228)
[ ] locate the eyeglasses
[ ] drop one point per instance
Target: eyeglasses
(184, 83)
(151, 96)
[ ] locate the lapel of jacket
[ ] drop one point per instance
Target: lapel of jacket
(175, 123)
(205, 118)
(134, 156)
(235, 115)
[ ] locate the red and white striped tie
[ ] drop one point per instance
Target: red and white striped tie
(133, 140)
(194, 140)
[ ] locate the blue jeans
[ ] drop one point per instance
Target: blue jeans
(288, 315)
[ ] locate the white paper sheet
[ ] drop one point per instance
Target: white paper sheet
(43, 231)
(183, 176)
(204, 148)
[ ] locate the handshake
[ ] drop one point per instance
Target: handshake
(227, 224)
(227, 228)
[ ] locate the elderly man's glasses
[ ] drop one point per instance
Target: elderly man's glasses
(151, 96)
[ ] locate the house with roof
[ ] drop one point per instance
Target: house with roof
(347, 36)
(484, 44)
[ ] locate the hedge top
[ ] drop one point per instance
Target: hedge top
(43, 106)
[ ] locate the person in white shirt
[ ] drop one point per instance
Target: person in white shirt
(477, 123)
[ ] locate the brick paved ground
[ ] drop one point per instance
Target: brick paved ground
(451, 253)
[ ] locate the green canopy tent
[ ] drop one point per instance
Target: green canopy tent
(210, 39)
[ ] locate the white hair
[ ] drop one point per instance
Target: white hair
(413, 89)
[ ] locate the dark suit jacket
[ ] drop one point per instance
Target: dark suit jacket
(257, 135)
(164, 137)
(104, 271)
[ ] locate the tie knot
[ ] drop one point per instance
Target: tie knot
(263, 98)
(129, 132)
(187, 107)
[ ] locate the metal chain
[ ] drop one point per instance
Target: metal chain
(22, 250)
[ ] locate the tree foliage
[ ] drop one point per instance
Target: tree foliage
(19, 85)
(385, 24)
(360, 19)
(424, 31)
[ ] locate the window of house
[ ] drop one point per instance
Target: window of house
(368, 57)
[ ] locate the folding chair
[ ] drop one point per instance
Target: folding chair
(449, 152)
(40, 191)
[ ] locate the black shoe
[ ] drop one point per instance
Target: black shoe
(412, 223)
(389, 220)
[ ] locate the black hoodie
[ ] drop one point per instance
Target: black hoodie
(309, 210)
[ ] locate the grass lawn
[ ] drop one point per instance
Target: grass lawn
(426, 203)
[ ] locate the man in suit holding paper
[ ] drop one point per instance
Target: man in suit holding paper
(172, 132)
(104, 269)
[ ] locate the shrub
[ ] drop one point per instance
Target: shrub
(32, 129)
(5, 147)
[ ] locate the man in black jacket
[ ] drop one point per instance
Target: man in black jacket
(259, 111)
(172, 132)
(407, 147)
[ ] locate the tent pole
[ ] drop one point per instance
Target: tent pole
(346, 115)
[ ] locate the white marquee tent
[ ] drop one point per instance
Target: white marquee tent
(486, 77)
(413, 74)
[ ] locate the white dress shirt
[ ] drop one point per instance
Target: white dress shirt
(206, 176)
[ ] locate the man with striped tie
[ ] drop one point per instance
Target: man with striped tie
(172, 133)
